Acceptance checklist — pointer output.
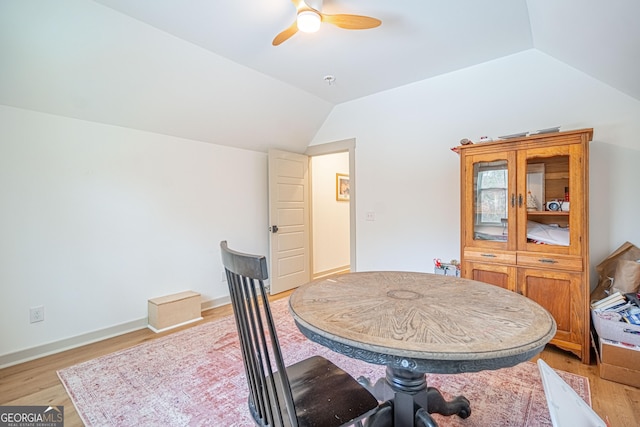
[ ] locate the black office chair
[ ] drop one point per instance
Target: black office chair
(312, 392)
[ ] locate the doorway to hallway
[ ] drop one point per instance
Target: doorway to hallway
(330, 200)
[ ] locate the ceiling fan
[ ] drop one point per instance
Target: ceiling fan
(309, 19)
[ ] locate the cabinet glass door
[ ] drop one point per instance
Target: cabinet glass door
(491, 194)
(545, 190)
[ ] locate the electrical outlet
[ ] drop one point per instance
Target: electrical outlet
(36, 314)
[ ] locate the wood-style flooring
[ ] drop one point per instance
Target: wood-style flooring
(36, 382)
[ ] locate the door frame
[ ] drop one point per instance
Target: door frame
(345, 145)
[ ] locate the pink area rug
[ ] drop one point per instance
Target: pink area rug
(195, 377)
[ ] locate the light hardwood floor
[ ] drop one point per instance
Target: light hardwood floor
(36, 382)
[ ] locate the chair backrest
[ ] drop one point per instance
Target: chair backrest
(269, 391)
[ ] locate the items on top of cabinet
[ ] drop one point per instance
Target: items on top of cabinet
(467, 141)
(514, 135)
(547, 130)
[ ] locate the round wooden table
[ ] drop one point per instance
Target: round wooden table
(416, 323)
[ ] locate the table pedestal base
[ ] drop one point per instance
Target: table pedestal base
(408, 401)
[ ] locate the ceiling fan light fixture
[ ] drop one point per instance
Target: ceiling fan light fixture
(309, 21)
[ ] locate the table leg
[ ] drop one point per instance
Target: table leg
(459, 406)
(413, 401)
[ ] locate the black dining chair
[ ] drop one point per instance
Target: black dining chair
(312, 392)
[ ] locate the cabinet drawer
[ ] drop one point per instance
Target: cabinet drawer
(550, 261)
(490, 256)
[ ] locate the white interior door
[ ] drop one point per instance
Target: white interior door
(289, 220)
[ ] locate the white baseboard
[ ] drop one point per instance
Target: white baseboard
(168, 328)
(37, 352)
(321, 274)
(69, 343)
(213, 303)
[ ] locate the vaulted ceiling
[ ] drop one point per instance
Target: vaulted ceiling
(206, 70)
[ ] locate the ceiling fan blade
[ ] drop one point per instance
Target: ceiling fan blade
(286, 34)
(351, 22)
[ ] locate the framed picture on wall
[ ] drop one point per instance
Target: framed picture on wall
(342, 187)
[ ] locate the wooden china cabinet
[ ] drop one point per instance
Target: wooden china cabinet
(525, 224)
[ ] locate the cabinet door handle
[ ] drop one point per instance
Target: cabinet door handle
(548, 261)
(488, 255)
(513, 200)
(520, 200)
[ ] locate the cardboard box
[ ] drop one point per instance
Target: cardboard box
(175, 310)
(618, 362)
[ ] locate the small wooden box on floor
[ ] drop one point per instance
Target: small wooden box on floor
(174, 310)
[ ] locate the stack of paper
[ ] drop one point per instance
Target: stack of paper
(611, 301)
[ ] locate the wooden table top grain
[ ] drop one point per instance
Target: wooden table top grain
(422, 316)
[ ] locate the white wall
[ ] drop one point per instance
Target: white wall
(96, 219)
(408, 176)
(330, 217)
(615, 197)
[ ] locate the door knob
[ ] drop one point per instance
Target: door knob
(273, 229)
